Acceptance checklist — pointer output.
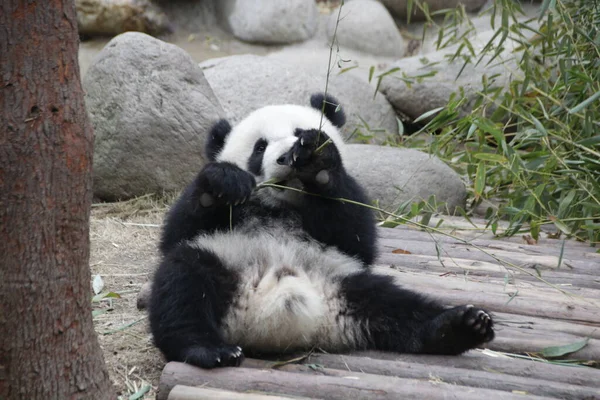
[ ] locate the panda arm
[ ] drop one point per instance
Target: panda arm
(349, 227)
(205, 205)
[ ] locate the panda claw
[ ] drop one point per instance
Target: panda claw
(301, 141)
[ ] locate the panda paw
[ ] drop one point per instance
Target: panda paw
(214, 357)
(460, 329)
(313, 154)
(223, 183)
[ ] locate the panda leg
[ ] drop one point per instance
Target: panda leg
(395, 319)
(190, 294)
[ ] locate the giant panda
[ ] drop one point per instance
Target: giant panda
(251, 268)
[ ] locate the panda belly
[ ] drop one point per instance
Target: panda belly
(288, 296)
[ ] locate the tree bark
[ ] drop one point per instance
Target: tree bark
(48, 347)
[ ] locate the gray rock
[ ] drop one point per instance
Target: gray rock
(151, 107)
(394, 175)
(399, 8)
(269, 21)
(245, 83)
(111, 17)
(366, 25)
(434, 92)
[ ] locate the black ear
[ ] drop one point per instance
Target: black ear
(333, 111)
(216, 138)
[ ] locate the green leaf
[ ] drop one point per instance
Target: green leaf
(562, 253)
(591, 141)
(559, 351)
(585, 103)
(480, 179)
(344, 70)
(105, 295)
(565, 204)
(371, 72)
(140, 393)
(491, 157)
(428, 114)
(562, 226)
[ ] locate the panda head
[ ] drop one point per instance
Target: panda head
(258, 142)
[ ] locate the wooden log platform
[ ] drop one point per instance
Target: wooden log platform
(544, 296)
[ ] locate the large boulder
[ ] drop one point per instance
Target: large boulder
(394, 175)
(111, 17)
(151, 108)
(269, 21)
(399, 8)
(245, 83)
(450, 77)
(367, 26)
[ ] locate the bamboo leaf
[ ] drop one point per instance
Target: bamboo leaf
(559, 351)
(428, 114)
(585, 103)
(480, 180)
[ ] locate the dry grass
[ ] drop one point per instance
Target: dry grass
(123, 252)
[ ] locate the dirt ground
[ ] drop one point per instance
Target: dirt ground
(124, 253)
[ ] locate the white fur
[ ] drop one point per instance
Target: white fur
(289, 291)
(294, 310)
(276, 124)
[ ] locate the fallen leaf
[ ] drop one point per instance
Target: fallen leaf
(400, 251)
(529, 240)
(559, 351)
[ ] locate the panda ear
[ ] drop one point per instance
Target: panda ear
(333, 111)
(216, 138)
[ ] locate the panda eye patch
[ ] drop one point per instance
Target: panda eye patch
(260, 146)
(256, 158)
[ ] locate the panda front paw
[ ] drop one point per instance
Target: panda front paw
(222, 183)
(214, 357)
(313, 155)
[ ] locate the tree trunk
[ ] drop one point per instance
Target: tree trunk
(48, 347)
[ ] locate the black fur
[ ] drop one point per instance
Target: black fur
(226, 183)
(332, 111)
(191, 293)
(192, 289)
(396, 319)
(349, 227)
(216, 138)
(256, 158)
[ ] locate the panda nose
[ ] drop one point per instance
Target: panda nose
(281, 160)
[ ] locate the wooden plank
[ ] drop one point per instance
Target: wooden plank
(328, 385)
(520, 341)
(180, 392)
(480, 360)
(515, 256)
(456, 376)
(529, 300)
(573, 248)
(544, 324)
(460, 266)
